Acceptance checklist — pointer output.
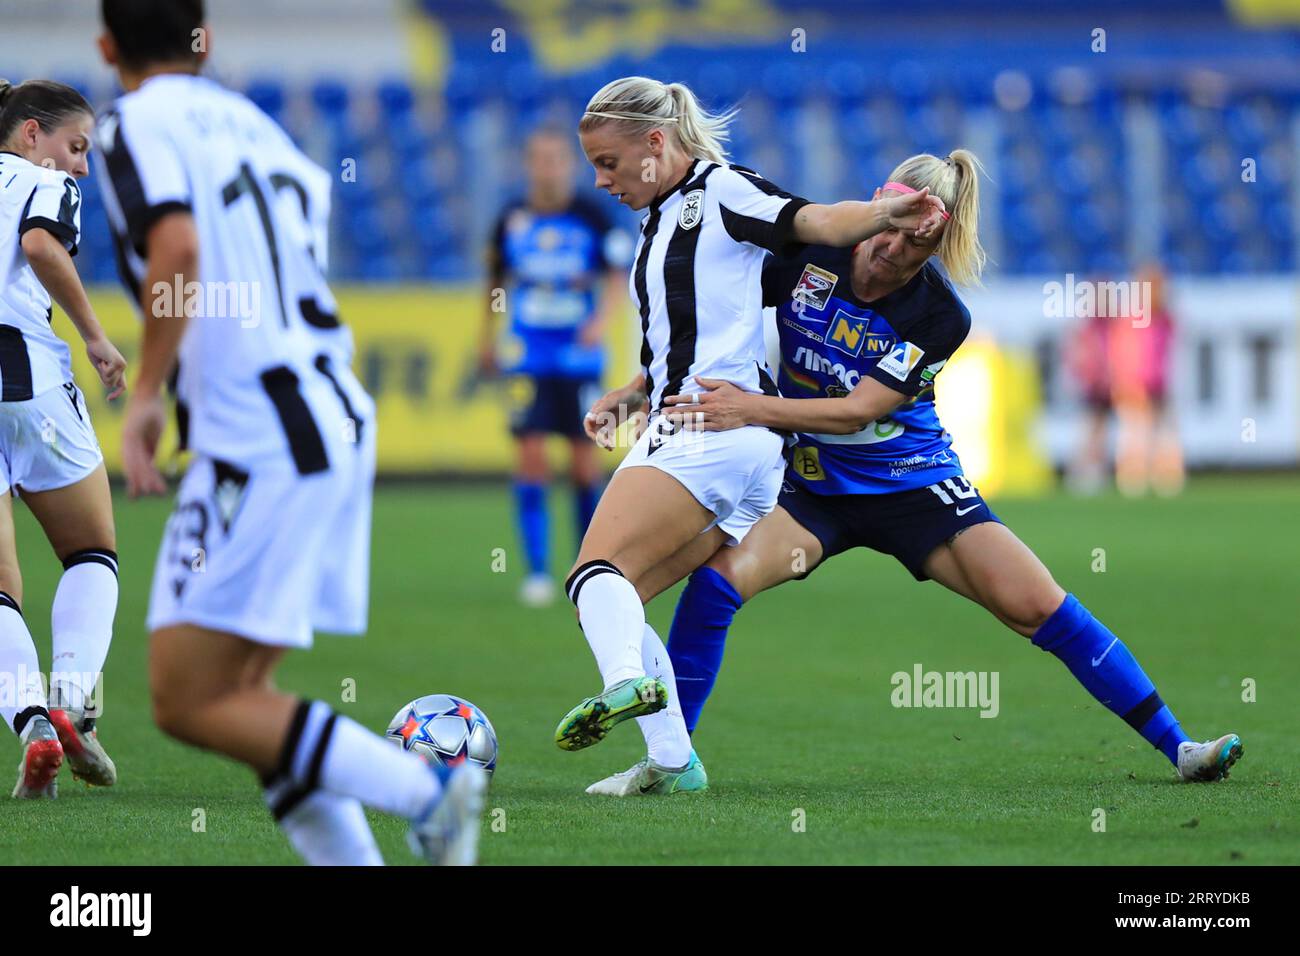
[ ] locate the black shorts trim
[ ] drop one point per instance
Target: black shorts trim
(70, 388)
(907, 525)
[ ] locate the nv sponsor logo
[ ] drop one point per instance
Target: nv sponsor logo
(848, 333)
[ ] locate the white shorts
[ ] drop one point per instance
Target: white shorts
(268, 554)
(736, 474)
(47, 442)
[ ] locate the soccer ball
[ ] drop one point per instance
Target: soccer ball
(446, 730)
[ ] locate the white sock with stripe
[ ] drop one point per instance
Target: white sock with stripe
(81, 619)
(21, 689)
(612, 618)
(328, 751)
(327, 829)
(665, 732)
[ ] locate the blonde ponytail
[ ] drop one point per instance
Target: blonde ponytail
(639, 104)
(955, 180)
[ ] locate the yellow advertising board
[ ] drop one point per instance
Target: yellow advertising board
(416, 353)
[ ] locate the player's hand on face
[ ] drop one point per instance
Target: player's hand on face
(721, 407)
(109, 365)
(917, 213)
(141, 429)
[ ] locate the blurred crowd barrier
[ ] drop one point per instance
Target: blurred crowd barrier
(1009, 398)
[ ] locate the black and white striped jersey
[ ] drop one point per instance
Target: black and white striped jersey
(262, 321)
(697, 278)
(32, 358)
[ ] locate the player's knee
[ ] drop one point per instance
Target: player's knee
(169, 713)
(1030, 608)
(738, 570)
(172, 702)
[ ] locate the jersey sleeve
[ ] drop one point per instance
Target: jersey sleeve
(776, 281)
(55, 206)
(923, 348)
(754, 210)
(146, 176)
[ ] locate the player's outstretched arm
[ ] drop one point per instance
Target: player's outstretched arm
(173, 251)
(850, 222)
(52, 263)
(725, 406)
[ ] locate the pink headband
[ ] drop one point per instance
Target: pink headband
(903, 188)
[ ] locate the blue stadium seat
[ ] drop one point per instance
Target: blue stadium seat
(1061, 161)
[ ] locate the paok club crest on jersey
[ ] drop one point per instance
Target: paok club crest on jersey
(692, 209)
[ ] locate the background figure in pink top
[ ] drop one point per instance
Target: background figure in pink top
(1088, 358)
(1149, 451)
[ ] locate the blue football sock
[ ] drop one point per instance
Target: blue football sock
(699, 633)
(1107, 670)
(530, 512)
(584, 506)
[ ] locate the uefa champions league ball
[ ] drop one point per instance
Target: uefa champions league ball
(446, 730)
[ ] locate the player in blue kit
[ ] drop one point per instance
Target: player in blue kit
(555, 265)
(864, 333)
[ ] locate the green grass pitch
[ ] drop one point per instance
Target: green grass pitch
(809, 761)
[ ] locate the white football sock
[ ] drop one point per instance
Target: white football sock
(20, 670)
(331, 830)
(82, 625)
(665, 732)
(613, 619)
(337, 754)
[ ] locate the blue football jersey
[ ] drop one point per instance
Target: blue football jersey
(552, 265)
(830, 339)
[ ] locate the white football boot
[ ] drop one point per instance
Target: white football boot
(647, 778)
(38, 771)
(447, 833)
(86, 757)
(1210, 761)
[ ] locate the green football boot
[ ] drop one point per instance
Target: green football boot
(647, 778)
(590, 721)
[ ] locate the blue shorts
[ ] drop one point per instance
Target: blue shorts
(553, 403)
(905, 524)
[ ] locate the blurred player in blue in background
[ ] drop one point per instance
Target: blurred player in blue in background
(556, 267)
